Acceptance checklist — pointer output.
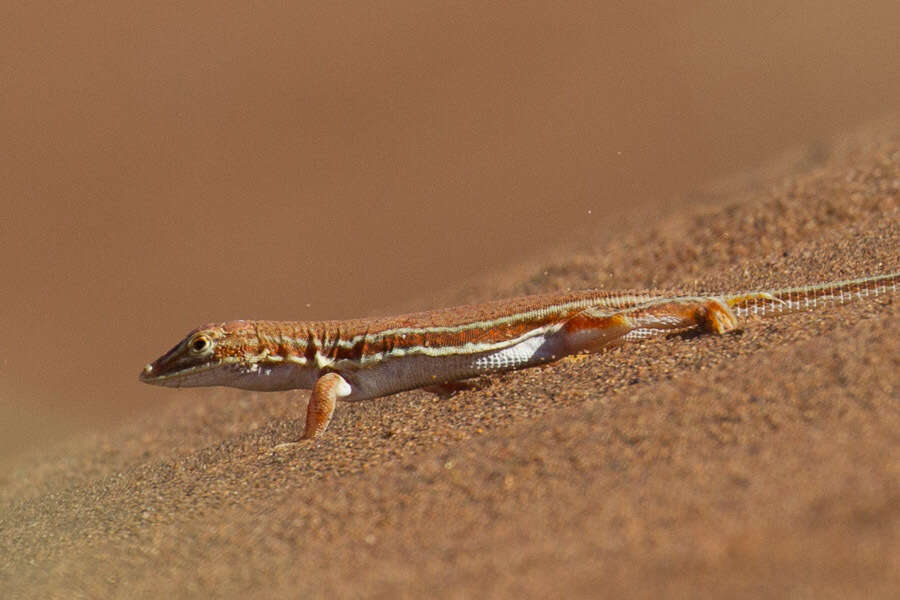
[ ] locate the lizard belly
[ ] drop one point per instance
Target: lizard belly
(271, 377)
(531, 351)
(413, 371)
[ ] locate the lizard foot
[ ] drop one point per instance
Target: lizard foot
(719, 318)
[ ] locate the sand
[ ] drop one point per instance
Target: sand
(756, 464)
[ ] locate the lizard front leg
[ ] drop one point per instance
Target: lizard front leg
(322, 401)
(328, 388)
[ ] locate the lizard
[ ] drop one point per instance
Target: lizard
(359, 359)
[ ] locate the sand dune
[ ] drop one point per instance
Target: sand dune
(761, 463)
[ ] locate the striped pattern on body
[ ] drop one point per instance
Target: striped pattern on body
(363, 358)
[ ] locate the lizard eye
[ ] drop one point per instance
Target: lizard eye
(200, 344)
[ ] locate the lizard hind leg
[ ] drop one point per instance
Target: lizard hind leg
(715, 316)
(593, 331)
(708, 314)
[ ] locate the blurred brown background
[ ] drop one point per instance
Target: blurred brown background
(165, 165)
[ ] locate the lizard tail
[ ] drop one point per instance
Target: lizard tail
(774, 302)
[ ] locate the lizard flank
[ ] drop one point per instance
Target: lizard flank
(365, 358)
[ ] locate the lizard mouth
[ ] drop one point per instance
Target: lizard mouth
(192, 376)
(154, 376)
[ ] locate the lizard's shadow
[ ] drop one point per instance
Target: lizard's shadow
(691, 334)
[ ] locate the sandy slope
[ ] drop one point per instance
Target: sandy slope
(762, 462)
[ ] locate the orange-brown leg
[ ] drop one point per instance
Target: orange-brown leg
(709, 314)
(716, 317)
(322, 401)
(592, 331)
(328, 389)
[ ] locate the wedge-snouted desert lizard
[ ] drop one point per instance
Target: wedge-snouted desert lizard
(365, 358)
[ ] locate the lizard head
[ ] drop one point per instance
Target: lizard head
(192, 362)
